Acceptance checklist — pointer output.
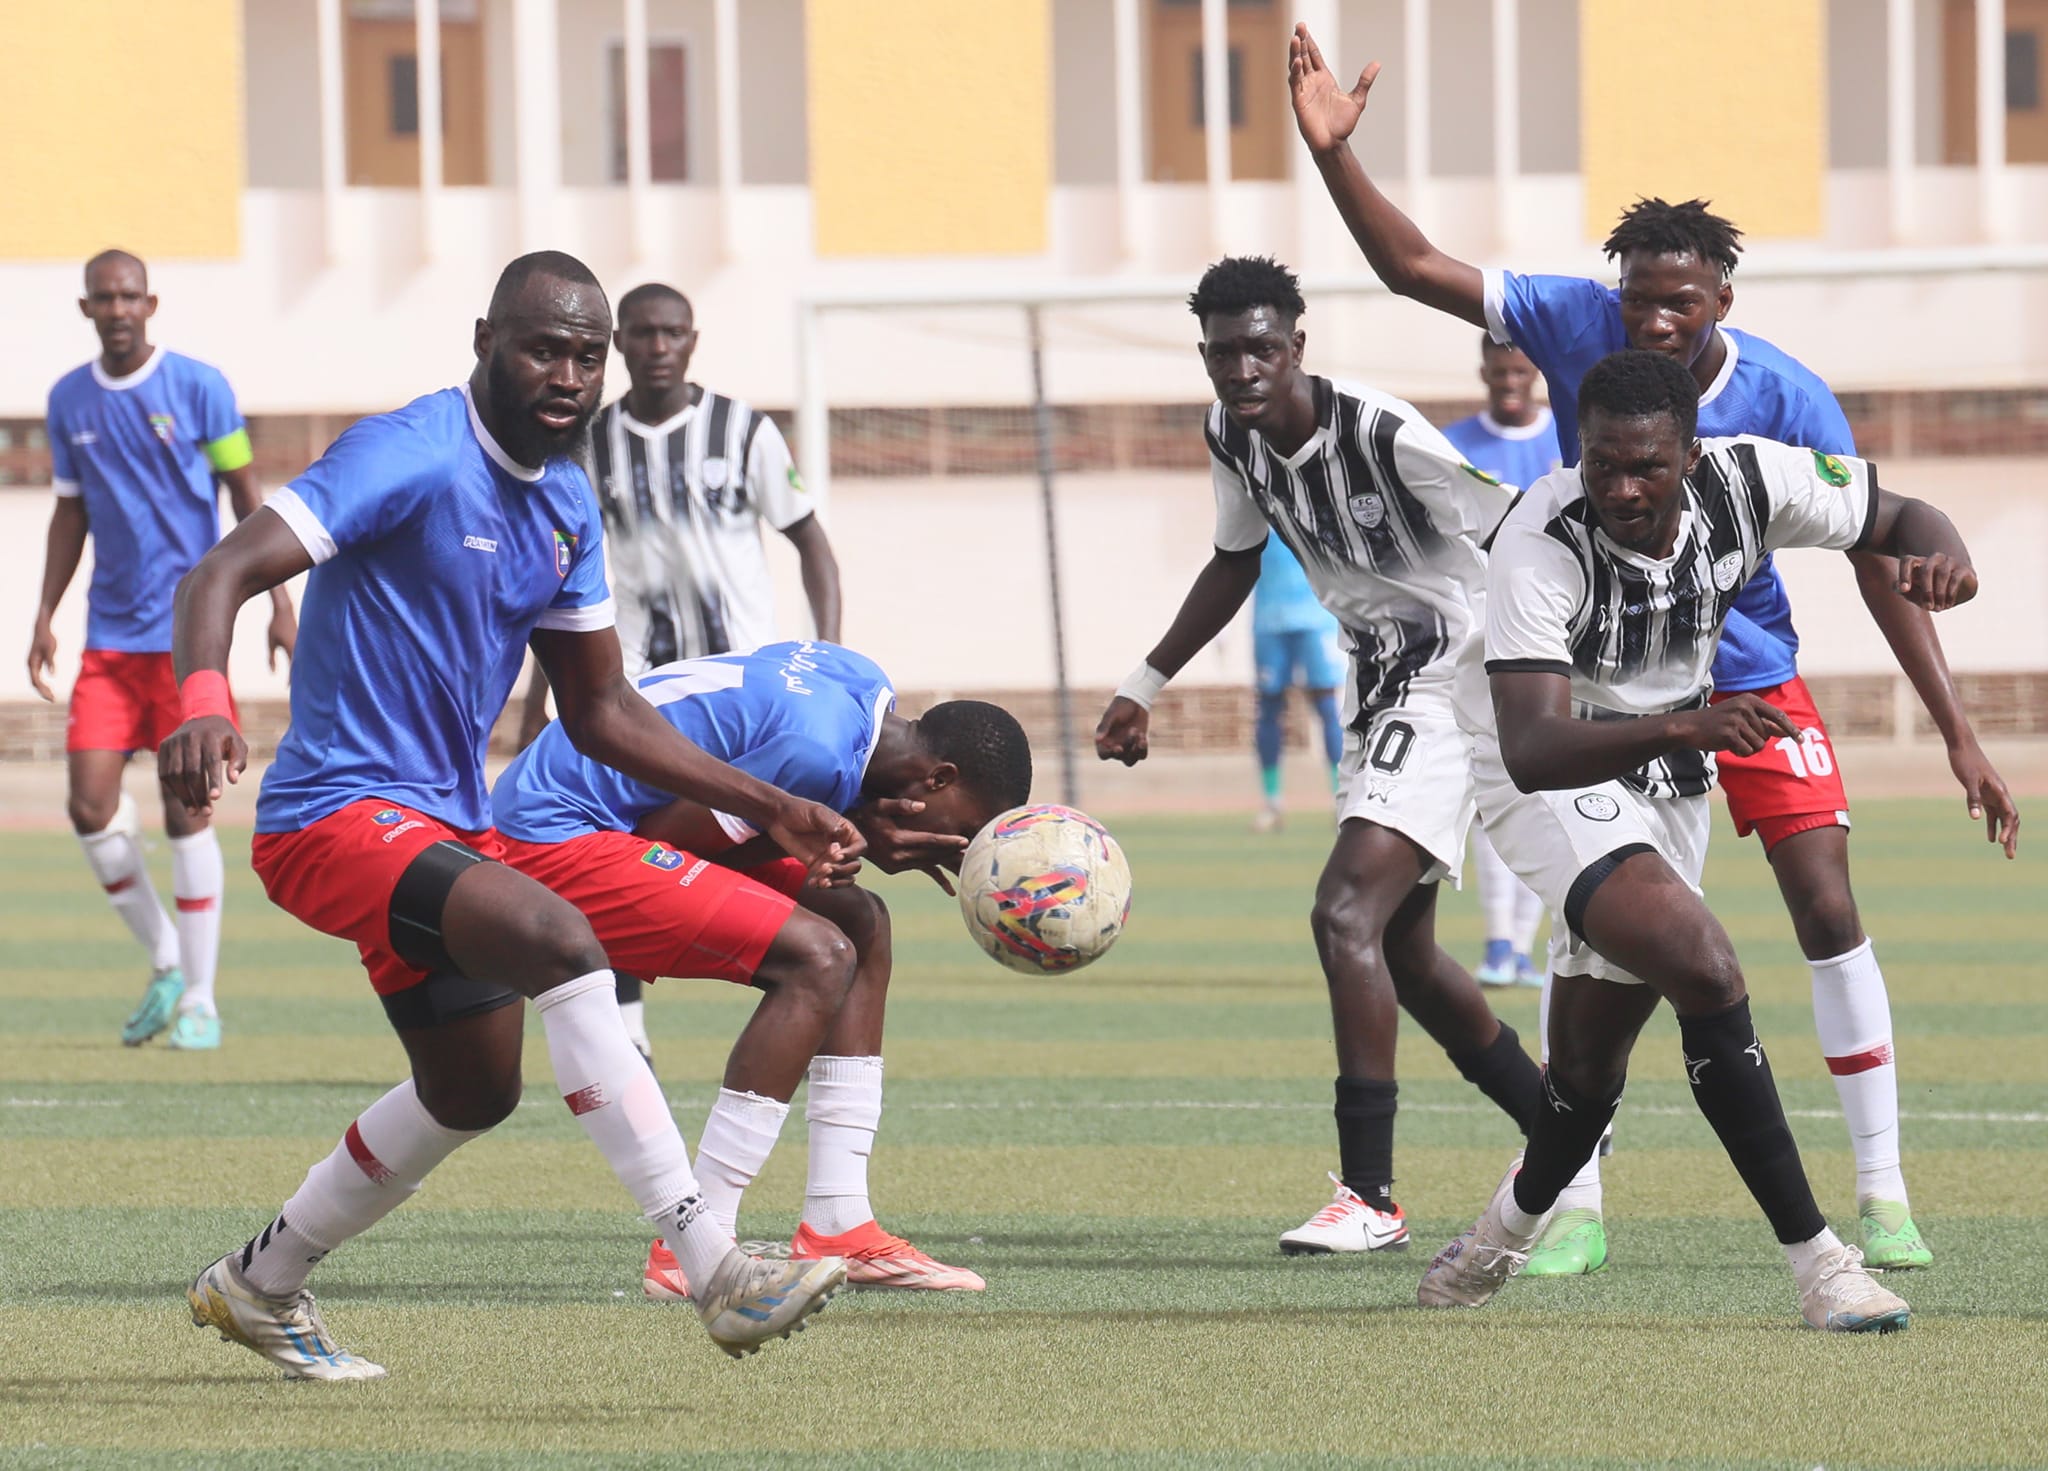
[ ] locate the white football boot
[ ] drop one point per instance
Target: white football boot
(1347, 1223)
(1479, 1263)
(747, 1302)
(287, 1331)
(1840, 1296)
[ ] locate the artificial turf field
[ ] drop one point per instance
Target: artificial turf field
(1116, 1152)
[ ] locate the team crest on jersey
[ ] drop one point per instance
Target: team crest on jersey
(715, 473)
(1480, 475)
(1369, 510)
(1727, 571)
(565, 553)
(665, 859)
(1831, 469)
(163, 426)
(388, 816)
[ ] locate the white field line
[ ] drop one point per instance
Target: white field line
(1197, 1105)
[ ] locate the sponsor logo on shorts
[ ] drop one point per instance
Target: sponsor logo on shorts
(479, 544)
(388, 816)
(402, 829)
(1368, 510)
(690, 873)
(1727, 570)
(662, 858)
(1379, 789)
(1597, 807)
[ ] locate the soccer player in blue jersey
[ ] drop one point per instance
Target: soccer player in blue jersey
(1675, 263)
(1294, 641)
(677, 888)
(440, 540)
(1513, 440)
(140, 440)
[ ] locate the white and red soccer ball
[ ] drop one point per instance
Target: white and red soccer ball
(1045, 889)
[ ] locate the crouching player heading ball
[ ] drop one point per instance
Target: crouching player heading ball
(1607, 589)
(678, 888)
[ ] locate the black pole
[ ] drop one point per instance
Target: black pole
(1063, 696)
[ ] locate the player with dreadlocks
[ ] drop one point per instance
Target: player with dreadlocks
(1676, 262)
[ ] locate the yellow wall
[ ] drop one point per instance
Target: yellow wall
(124, 127)
(1746, 130)
(930, 125)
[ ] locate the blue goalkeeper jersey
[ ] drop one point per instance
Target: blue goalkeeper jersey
(141, 452)
(1568, 323)
(436, 555)
(804, 717)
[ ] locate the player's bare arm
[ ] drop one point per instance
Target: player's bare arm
(245, 498)
(63, 549)
(258, 555)
(1546, 748)
(1934, 568)
(608, 720)
(820, 570)
(1123, 733)
(1399, 253)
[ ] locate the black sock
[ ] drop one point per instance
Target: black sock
(1365, 1139)
(628, 988)
(1562, 1137)
(1503, 1072)
(1733, 1086)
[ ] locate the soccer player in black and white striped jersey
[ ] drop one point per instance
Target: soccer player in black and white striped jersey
(685, 477)
(1606, 592)
(1387, 519)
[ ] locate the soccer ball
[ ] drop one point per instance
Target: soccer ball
(1045, 889)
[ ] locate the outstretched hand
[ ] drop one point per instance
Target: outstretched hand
(823, 841)
(1323, 110)
(191, 763)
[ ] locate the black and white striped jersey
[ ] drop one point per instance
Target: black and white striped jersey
(1637, 634)
(683, 502)
(1387, 520)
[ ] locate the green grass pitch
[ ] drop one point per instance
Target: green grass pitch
(1116, 1152)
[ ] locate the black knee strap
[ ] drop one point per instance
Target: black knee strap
(1595, 874)
(444, 996)
(420, 896)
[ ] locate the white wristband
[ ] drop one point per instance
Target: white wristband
(1142, 686)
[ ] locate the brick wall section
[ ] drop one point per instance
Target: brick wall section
(1212, 718)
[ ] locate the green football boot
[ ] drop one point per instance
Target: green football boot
(159, 1004)
(1573, 1245)
(1891, 1242)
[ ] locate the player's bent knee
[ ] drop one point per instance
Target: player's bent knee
(92, 813)
(812, 954)
(471, 1104)
(1828, 925)
(1344, 929)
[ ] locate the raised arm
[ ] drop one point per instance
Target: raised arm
(1399, 253)
(820, 574)
(258, 555)
(1220, 588)
(245, 499)
(62, 550)
(1544, 747)
(607, 720)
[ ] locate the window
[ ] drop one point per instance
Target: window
(1234, 67)
(2022, 71)
(667, 113)
(403, 89)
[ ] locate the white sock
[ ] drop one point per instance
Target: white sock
(115, 854)
(737, 1137)
(1497, 886)
(844, 1110)
(614, 1095)
(634, 1015)
(377, 1165)
(1804, 1254)
(1582, 1193)
(1528, 916)
(197, 878)
(1853, 1016)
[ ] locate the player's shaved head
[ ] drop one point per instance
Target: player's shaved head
(650, 294)
(986, 744)
(509, 298)
(116, 258)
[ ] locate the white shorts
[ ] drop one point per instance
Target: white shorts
(1550, 839)
(1412, 772)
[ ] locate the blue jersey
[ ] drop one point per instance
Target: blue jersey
(1517, 457)
(1283, 601)
(436, 556)
(800, 716)
(1568, 323)
(142, 452)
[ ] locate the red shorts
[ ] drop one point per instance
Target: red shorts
(123, 702)
(1789, 786)
(338, 876)
(659, 911)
